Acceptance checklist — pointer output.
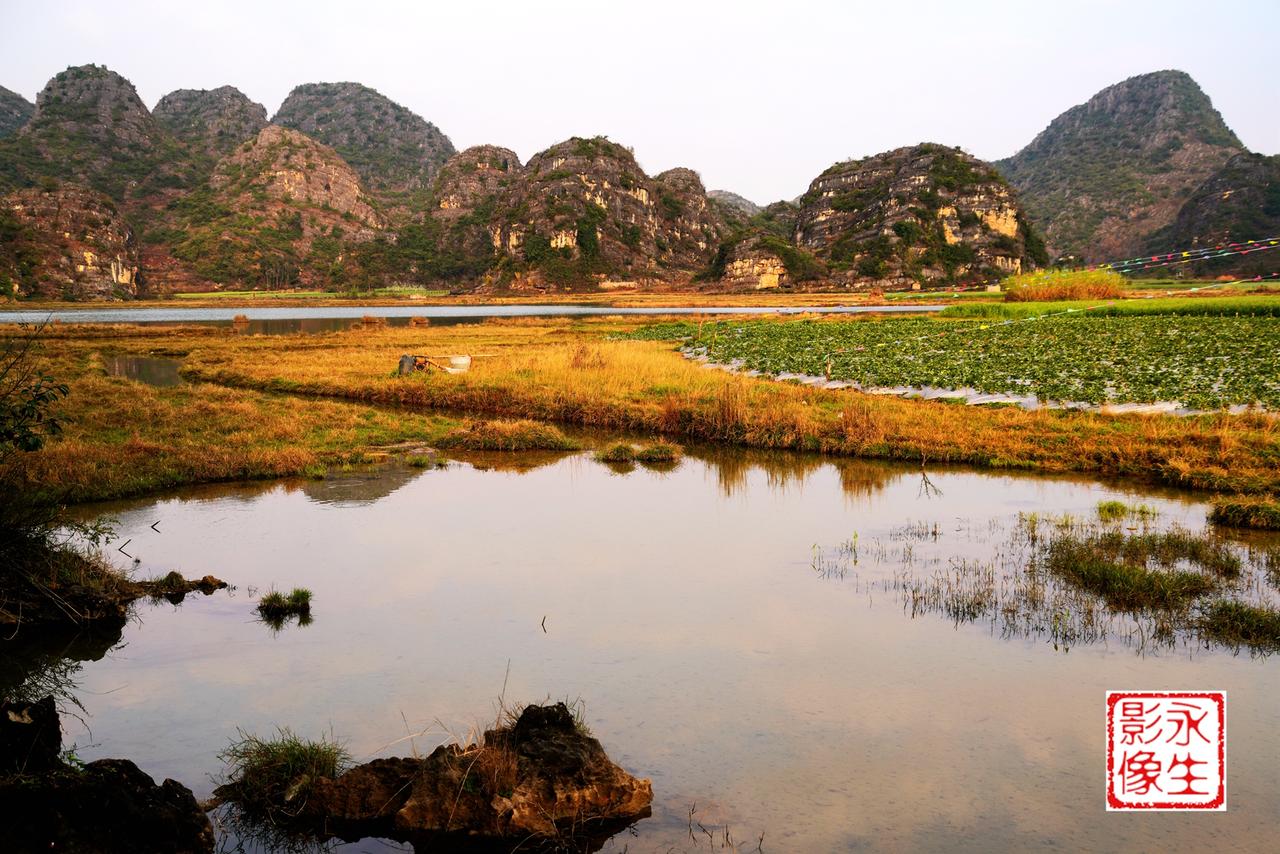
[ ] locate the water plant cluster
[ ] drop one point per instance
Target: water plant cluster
(1073, 580)
(1201, 362)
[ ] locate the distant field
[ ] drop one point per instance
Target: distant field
(240, 295)
(1203, 362)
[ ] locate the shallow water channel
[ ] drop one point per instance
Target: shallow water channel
(722, 642)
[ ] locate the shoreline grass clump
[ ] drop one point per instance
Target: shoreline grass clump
(1240, 624)
(1246, 512)
(270, 779)
(519, 435)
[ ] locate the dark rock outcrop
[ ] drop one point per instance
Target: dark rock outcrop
(15, 112)
(211, 121)
(105, 806)
(927, 214)
(393, 149)
(66, 242)
(1105, 175)
(1239, 202)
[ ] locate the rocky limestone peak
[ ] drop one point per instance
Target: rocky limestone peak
(66, 243)
(289, 167)
(584, 209)
(927, 214)
(213, 121)
(472, 177)
(15, 112)
(280, 210)
(90, 128)
(392, 148)
(94, 102)
(733, 204)
(1239, 202)
(1106, 174)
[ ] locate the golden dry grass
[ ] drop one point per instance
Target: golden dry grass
(264, 406)
(568, 371)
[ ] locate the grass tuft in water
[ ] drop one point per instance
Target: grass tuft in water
(275, 606)
(660, 452)
(1118, 511)
(271, 778)
(1246, 512)
(1124, 586)
(1239, 624)
(619, 452)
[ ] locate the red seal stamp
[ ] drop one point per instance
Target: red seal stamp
(1166, 750)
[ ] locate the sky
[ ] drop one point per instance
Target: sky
(759, 97)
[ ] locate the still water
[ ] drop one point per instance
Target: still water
(693, 613)
(290, 319)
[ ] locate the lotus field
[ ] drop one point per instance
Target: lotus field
(1198, 362)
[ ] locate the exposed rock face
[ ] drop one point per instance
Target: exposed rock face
(15, 112)
(108, 806)
(539, 778)
(305, 209)
(90, 128)
(751, 265)
(393, 149)
(291, 168)
(1239, 202)
(67, 242)
(733, 204)
(474, 178)
(211, 121)
(584, 208)
(927, 214)
(1105, 175)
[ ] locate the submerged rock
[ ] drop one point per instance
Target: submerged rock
(105, 806)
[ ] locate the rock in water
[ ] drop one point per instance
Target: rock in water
(106, 806)
(541, 777)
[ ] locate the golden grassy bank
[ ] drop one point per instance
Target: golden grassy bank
(263, 406)
(568, 371)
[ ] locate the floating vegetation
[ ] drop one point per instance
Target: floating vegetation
(1246, 512)
(276, 608)
(1199, 362)
(1075, 580)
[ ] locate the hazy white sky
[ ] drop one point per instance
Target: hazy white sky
(758, 97)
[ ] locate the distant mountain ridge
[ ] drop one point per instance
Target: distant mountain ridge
(1107, 173)
(349, 190)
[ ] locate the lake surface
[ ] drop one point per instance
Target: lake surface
(290, 319)
(735, 628)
